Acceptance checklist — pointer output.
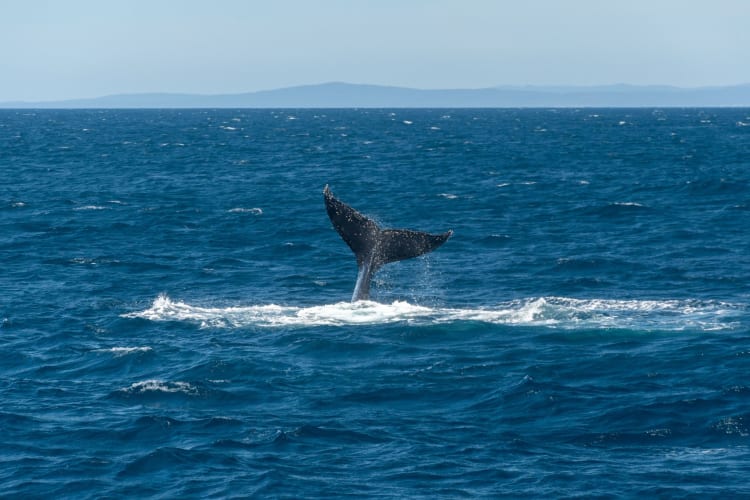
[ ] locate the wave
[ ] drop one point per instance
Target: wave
(552, 312)
(124, 351)
(156, 386)
(241, 210)
(90, 207)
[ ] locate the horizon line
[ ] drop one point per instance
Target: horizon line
(517, 87)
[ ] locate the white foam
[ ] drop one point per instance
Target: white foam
(553, 312)
(240, 210)
(626, 204)
(91, 207)
(124, 351)
(83, 260)
(448, 195)
(160, 386)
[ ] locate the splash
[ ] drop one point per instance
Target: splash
(552, 312)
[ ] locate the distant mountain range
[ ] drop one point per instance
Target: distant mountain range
(347, 95)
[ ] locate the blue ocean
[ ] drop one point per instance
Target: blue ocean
(176, 322)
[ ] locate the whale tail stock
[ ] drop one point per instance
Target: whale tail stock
(373, 246)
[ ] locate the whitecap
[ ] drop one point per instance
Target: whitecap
(627, 204)
(408, 122)
(83, 260)
(240, 210)
(155, 385)
(448, 195)
(91, 207)
(124, 351)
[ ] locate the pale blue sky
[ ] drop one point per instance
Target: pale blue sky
(87, 48)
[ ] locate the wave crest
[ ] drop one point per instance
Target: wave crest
(155, 386)
(124, 351)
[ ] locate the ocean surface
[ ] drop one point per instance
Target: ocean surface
(175, 317)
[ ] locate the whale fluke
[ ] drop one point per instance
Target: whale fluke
(373, 246)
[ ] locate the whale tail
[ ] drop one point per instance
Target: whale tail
(373, 246)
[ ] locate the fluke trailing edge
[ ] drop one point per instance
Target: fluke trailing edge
(373, 246)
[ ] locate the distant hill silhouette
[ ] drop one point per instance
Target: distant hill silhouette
(347, 95)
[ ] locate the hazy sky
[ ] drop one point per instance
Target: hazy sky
(59, 49)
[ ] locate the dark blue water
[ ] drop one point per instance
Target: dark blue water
(175, 318)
